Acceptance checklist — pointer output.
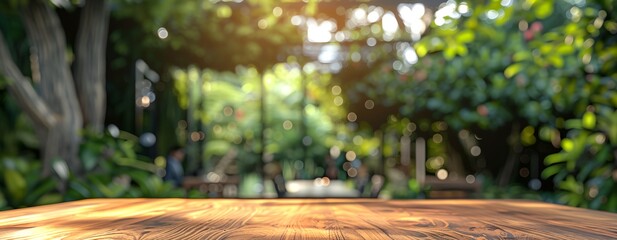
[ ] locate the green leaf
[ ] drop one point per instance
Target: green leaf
(49, 199)
(556, 60)
(15, 184)
(571, 185)
(521, 56)
(565, 49)
(567, 145)
(554, 158)
(587, 169)
(465, 36)
(89, 159)
(421, 49)
(573, 124)
(513, 70)
(414, 186)
(45, 187)
(546, 133)
(544, 9)
(3, 202)
(450, 52)
(80, 188)
(589, 120)
(550, 171)
(223, 11)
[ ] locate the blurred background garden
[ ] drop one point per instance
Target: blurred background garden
(286, 98)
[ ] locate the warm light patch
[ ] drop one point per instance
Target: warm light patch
(442, 174)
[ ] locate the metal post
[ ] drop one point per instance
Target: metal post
(139, 78)
(303, 122)
(420, 160)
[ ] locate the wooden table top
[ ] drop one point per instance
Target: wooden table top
(305, 219)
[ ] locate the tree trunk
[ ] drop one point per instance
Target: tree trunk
(57, 89)
(56, 109)
(90, 63)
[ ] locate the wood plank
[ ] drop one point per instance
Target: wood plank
(305, 219)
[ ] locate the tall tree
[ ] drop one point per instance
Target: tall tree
(52, 98)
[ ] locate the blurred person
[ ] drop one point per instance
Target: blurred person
(174, 171)
(377, 182)
(362, 179)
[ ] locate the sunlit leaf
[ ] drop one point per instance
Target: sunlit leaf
(556, 60)
(543, 9)
(461, 50)
(513, 70)
(465, 36)
(450, 52)
(421, 49)
(311, 7)
(570, 184)
(555, 158)
(521, 56)
(567, 145)
(565, 49)
(589, 120)
(223, 11)
(471, 23)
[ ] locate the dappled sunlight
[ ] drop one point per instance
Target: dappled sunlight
(379, 99)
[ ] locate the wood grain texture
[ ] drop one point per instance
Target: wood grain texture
(305, 219)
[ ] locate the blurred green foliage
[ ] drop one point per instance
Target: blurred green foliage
(114, 171)
(536, 63)
(584, 171)
(227, 104)
(201, 33)
(544, 66)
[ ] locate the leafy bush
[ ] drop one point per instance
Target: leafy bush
(113, 168)
(584, 170)
(22, 184)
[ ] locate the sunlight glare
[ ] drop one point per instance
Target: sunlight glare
(463, 8)
(373, 16)
(329, 53)
(389, 25)
(442, 174)
(320, 32)
(446, 10)
(492, 14)
(412, 15)
(359, 16)
(410, 56)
